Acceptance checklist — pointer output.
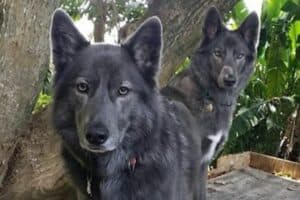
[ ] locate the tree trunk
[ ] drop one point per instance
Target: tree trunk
(289, 147)
(182, 20)
(37, 171)
(100, 21)
(24, 60)
(295, 141)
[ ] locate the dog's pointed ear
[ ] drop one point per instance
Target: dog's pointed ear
(66, 40)
(145, 46)
(212, 23)
(250, 30)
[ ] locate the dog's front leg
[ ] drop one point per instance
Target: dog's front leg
(203, 181)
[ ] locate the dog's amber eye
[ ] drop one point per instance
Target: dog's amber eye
(240, 56)
(123, 90)
(82, 87)
(217, 53)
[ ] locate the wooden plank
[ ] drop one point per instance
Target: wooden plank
(252, 184)
(275, 165)
(229, 163)
(234, 161)
(258, 161)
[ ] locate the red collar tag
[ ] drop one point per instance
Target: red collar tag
(131, 164)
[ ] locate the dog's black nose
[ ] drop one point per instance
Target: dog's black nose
(97, 136)
(229, 81)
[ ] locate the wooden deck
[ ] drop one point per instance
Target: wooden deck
(252, 176)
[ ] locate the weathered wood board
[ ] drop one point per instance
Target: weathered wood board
(250, 176)
(252, 184)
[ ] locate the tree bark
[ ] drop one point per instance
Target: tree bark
(182, 20)
(24, 60)
(295, 140)
(36, 169)
(289, 147)
(100, 21)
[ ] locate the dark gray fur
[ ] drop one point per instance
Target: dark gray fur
(220, 69)
(141, 124)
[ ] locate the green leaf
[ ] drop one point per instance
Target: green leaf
(43, 101)
(246, 118)
(272, 8)
(239, 12)
(294, 33)
(292, 8)
(275, 82)
(270, 124)
(297, 98)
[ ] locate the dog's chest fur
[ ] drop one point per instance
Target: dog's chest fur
(207, 105)
(112, 177)
(212, 110)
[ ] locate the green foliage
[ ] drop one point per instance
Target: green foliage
(116, 10)
(257, 127)
(75, 8)
(43, 101)
(47, 81)
(130, 10)
(273, 92)
(183, 65)
(44, 98)
(238, 14)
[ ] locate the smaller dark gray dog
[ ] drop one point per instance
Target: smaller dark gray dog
(122, 140)
(220, 69)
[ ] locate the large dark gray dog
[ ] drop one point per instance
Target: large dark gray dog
(220, 69)
(122, 140)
